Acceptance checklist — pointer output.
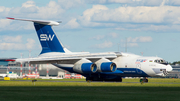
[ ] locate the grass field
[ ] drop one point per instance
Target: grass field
(128, 90)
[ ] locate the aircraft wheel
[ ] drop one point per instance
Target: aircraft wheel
(88, 79)
(141, 80)
(144, 80)
(120, 79)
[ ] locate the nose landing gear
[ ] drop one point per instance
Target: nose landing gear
(144, 80)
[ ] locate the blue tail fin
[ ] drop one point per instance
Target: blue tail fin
(48, 39)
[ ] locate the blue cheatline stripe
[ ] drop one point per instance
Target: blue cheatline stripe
(48, 39)
(133, 72)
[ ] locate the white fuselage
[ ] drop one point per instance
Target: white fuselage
(134, 64)
(130, 64)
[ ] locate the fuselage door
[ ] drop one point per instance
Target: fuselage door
(138, 68)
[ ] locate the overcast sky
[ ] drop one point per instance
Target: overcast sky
(151, 27)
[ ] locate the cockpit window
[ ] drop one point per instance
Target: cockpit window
(161, 61)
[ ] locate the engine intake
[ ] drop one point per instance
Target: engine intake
(85, 66)
(88, 67)
(105, 65)
(108, 67)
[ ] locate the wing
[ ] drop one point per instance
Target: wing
(68, 58)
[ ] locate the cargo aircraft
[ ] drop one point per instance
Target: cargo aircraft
(107, 66)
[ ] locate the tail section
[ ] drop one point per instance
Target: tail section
(48, 39)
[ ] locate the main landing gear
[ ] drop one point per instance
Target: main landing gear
(144, 80)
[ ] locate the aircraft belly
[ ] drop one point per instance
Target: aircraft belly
(123, 72)
(132, 72)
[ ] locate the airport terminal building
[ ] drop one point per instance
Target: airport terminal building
(7, 65)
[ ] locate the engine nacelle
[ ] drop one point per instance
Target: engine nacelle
(85, 66)
(108, 67)
(105, 65)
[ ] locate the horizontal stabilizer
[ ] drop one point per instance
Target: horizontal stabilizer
(52, 23)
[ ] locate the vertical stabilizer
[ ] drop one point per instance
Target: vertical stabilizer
(48, 39)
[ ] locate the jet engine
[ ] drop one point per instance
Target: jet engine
(105, 65)
(85, 66)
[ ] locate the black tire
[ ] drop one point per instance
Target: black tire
(88, 79)
(141, 80)
(119, 79)
(144, 80)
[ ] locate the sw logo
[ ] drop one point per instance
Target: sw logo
(45, 37)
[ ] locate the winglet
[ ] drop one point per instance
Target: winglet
(52, 23)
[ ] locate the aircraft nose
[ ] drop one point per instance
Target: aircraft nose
(169, 68)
